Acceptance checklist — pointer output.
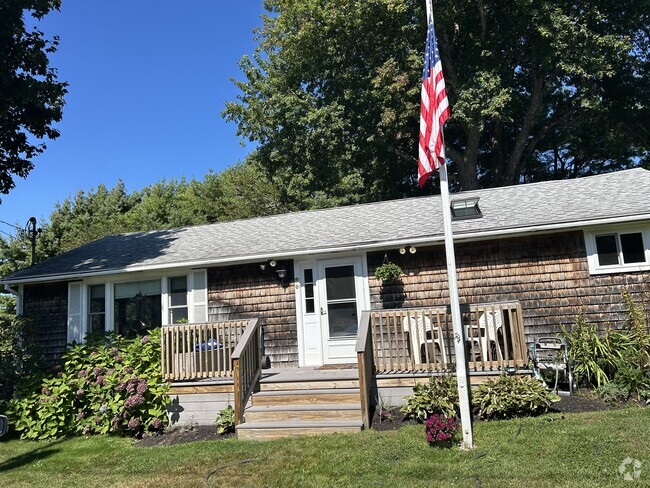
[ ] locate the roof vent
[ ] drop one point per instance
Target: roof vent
(465, 209)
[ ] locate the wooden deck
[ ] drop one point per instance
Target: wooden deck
(396, 350)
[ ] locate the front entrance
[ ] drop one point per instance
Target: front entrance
(331, 293)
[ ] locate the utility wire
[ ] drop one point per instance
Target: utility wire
(6, 233)
(11, 225)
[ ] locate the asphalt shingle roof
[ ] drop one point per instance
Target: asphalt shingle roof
(544, 205)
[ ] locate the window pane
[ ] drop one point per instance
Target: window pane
(339, 281)
(142, 288)
(178, 284)
(632, 247)
(607, 251)
(178, 315)
(96, 324)
(97, 291)
(342, 319)
(309, 290)
(309, 276)
(178, 299)
(134, 315)
(309, 305)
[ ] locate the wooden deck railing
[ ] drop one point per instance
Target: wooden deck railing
(366, 365)
(247, 366)
(196, 351)
(422, 339)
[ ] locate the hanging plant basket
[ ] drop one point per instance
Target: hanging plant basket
(388, 273)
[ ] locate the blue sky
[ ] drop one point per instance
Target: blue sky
(148, 81)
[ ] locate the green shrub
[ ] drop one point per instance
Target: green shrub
(512, 396)
(593, 355)
(109, 385)
(19, 354)
(225, 420)
(438, 396)
(614, 392)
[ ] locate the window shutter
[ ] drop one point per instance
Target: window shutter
(200, 295)
(75, 332)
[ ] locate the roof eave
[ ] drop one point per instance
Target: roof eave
(362, 246)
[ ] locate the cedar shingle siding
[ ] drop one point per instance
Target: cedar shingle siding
(48, 305)
(548, 274)
(245, 291)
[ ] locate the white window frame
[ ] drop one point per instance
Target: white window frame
(196, 298)
(167, 294)
(595, 268)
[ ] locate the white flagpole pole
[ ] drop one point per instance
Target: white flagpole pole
(459, 335)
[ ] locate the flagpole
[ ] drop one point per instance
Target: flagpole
(459, 335)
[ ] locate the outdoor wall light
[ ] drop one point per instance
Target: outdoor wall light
(411, 249)
(282, 274)
(272, 263)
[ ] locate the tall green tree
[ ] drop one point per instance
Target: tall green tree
(331, 93)
(241, 191)
(31, 97)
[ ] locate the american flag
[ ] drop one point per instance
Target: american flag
(434, 111)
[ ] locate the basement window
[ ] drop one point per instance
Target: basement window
(465, 209)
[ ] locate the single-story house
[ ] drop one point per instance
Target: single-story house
(529, 258)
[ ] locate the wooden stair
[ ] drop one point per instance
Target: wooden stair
(302, 406)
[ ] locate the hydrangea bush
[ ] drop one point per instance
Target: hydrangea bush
(109, 385)
(440, 429)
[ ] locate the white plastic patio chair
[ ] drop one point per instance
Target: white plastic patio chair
(417, 328)
(489, 323)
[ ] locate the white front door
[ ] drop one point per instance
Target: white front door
(331, 295)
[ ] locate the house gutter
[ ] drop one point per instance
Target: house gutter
(464, 237)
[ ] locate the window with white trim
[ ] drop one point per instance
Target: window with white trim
(616, 250)
(132, 307)
(96, 309)
(177, 300)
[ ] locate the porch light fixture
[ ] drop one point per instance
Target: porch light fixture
(411, 249)
(282, 274)
(465, 209)
(272, 263)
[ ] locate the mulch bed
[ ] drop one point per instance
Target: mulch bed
(183, 436)
(582, 401)
(384, 420)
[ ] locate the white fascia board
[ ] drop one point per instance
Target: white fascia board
(365, 246)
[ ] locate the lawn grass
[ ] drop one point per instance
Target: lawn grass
(573, 450)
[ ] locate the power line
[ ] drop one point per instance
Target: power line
(11, 225)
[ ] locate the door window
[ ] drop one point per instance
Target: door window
(341, 301)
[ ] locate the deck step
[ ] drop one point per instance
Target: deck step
(283, 413)
(275, 430)
(306, 397)
(308, 385)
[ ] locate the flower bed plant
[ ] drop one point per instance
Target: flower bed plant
(440, 430)
(438, 396)
(512, 396)
(109, 385)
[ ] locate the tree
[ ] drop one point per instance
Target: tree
(32, 98)
(238, 192)
(331, 93)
